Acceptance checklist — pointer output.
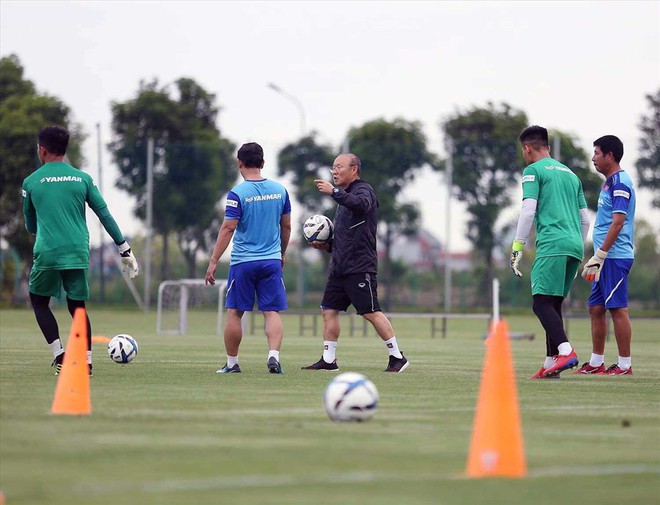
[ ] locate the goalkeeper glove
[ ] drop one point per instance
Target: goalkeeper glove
(594, 266)
(129, 263)
(516, 255)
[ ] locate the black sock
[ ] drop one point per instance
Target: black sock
(45, 317)
(76, 304)
(548, 310)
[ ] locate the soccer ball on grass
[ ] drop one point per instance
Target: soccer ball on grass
(122, 348)
(350, 397)
(318, 228)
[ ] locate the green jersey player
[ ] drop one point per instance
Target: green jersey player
(552, 199)
(54, 203)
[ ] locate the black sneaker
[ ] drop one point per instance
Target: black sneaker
(274, 366)
(322, 365)
(57, 363)
(397, 365)
(227, 369)
(90, 369)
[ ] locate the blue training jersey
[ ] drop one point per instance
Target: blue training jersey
(258, 206)
(616, 196)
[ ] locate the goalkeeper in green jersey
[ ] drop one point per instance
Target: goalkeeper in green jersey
(54, 203)
(553, 200)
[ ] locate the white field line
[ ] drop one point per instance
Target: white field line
(263, 481)
(180, 414)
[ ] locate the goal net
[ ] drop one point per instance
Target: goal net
(189, 304)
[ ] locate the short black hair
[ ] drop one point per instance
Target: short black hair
(55, 139)
(251, 155)
(535, 135)
(610, 144)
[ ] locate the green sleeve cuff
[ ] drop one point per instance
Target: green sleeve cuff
(517, 246)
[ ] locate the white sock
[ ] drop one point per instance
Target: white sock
(56, 348)
(232, 360)
(597, 359)
(625, 363)
(89, 357)
(549, 361)
(565, 348)
(274, 354)
(329, 351)
(393, 348)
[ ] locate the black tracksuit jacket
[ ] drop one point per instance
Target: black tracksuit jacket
(353, 247)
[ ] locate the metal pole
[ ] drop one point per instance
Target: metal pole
(101, 236)
(496, 300)
(150, 201)
(449, 146)
(300, 291)
(556, 148)
(296, 102)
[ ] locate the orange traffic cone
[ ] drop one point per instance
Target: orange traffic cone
(72, 394)
(496, 449)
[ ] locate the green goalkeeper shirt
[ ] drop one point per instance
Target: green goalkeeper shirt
(54, 204)
(559, 196)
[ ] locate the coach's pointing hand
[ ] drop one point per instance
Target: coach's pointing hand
(324, 186)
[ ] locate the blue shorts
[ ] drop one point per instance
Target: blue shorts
(263, 277)
(611, 291)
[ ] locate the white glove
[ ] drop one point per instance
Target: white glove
(129, 262)
(593, 267)
(516, 256)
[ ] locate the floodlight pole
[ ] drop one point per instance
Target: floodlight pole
(150, 207)
(101, 236)
(303, 131)
(295, 101)
(449, 169)
(496, 300)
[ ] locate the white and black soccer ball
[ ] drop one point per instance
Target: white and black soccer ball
(122, 348)
(350, 397)
(318, 228)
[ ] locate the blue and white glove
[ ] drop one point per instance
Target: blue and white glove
(593, 267)
(516, 256)
(129, 263)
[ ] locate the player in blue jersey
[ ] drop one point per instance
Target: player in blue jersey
(258, 217)
(612, 260)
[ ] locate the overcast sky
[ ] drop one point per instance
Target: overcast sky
(581, 67)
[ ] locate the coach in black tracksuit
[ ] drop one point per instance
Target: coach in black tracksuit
(354, 264)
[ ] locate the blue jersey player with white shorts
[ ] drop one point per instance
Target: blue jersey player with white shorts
(612, 260)
(258, 217)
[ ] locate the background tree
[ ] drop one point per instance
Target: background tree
(579, 161)
(644, 282)
(194, 165)
(305, 161)
(648, 163)
(391, 155)
(23, 112)
(487, 165)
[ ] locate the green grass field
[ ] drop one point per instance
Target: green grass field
(166, 429)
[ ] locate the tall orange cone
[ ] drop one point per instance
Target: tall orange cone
(72, 394)
(496, 449)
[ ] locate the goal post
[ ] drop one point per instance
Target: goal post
(178, 298)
